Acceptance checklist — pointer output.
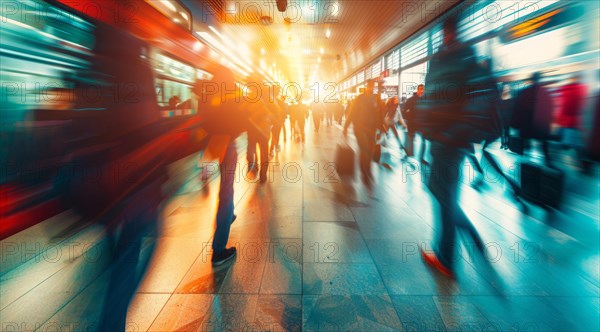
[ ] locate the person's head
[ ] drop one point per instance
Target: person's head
(173, 101)
(449, 28)
(535, 78)
(420, 90)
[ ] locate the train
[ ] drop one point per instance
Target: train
(95, 95)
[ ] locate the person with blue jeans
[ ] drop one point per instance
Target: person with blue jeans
(224, 117)
(225, 216)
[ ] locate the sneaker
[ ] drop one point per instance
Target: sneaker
(431, 259)
(222, 257)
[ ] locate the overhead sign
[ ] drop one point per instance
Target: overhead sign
(550, 20)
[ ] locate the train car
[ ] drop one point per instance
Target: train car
(94, 95)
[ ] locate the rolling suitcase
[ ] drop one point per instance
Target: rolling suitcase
(542, 185)
(344, 160)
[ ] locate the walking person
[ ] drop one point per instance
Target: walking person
(278, 120)
(226, 119)
(363, 115)
(451, 65)
(408, 114)
(533, 115)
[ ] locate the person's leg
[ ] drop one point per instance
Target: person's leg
(513, 185)
(251, 156)
(263, 145)
(474, 161)
(284, 129)
(422, 150)
(129, 262)
(225, 204)
(365, 154)
(443, 184)
(546, 149)
(301, 125)
(275, 133)
(409, 146)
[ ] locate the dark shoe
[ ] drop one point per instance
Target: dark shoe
(431, 259)
(424, 162)
(234, 218)
(222, 257)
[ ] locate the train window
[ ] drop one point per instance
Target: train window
(175, 11)
(174, 86)
(44, 49)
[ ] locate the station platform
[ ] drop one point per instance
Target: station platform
(318, 253)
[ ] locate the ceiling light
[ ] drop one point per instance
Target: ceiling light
(262, 51)
(322, 50)
(328, 33)
(169, 5)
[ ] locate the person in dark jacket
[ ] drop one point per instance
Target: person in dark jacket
(533, 115)
(450, 66)
(363, 115)
(278, 120)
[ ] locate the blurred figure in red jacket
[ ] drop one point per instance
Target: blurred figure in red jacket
(572, 100)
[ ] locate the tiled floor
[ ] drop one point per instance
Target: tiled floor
(319, 254)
